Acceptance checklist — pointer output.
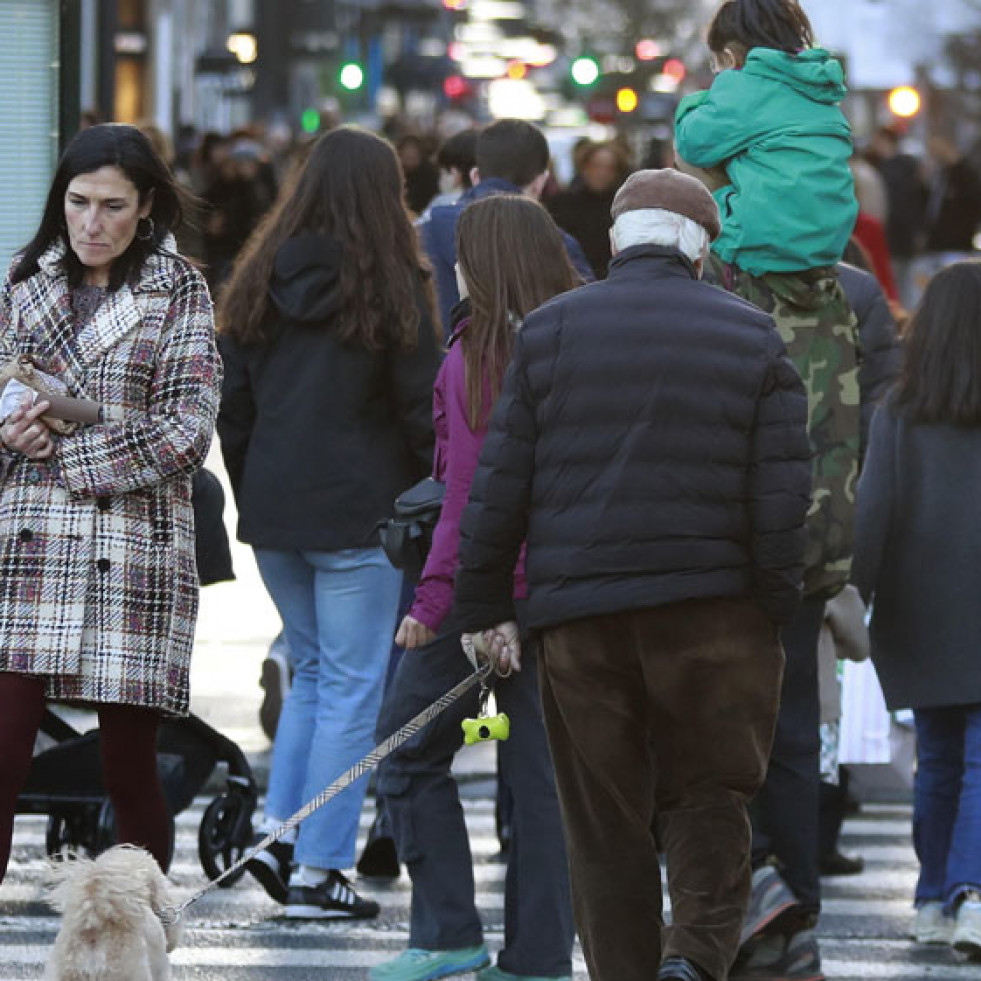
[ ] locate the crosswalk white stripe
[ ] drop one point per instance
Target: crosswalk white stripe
(884, 891)
(230, 957)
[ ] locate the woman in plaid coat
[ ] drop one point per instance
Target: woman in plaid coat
(98, 593)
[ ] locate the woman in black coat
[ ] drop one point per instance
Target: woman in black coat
(918, 557)
(331, 352)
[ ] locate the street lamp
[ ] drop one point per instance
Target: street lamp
(243, 45)
(904, 102)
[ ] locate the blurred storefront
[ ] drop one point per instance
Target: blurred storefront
(39, 43)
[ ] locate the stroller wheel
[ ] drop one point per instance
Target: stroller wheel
(105, 834)
(63, 832)
(221, 838)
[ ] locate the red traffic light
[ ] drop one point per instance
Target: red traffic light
(675, 69)
(456, 87)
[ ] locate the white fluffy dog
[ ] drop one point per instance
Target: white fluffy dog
(110, 930)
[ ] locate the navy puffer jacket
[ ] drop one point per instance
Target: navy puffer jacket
(650, 443)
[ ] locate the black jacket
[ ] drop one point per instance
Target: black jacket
(882, 357)
(319, 437)
(650, 442)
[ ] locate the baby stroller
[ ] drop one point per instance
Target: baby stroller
(65, 783)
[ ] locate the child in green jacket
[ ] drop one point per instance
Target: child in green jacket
(770, 140)
(772, 120)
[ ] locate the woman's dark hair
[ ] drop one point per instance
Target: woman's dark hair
(941, 376)
(350, 188)
(780, 24)
(512, 259)
(107, 145)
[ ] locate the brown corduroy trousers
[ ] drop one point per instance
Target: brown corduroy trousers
(667, 711)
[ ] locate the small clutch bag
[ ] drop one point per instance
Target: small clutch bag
(407, 536)
(19, 377)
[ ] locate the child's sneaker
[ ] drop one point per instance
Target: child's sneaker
(415, 964)
(770, 899)
(932, 925)
(332, 899)
(967, 928)
(775, 957)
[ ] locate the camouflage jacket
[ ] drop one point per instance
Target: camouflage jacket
(819, 328)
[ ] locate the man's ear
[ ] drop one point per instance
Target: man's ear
(535, 188)
(700, 262)
(474, 176)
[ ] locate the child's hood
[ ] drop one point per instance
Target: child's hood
(813, 72)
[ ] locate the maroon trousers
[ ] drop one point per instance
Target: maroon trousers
(667, 711)
(129, 765)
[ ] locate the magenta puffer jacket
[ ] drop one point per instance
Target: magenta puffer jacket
(455, 460)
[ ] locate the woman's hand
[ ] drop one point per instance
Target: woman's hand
(412, 634)
(25, 433)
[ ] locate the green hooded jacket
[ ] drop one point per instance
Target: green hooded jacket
(776, 126)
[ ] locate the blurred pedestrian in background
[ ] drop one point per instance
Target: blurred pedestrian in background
(331, 348)
(906, 195)
(918, 560)
(98, 595)
(240, 190)
(664, 547)
(511, 261)
(512, 158)
(770, 137)
(456, 157)
(421, 174)
(583, 209)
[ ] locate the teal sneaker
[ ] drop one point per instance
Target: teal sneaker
(494, 973)
(427, 965)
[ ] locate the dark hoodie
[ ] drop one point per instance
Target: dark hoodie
(320, 436)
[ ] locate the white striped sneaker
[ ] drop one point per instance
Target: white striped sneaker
(332, 899)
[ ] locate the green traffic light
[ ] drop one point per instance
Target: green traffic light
(585, 70)
(310, 121)
(351, 76)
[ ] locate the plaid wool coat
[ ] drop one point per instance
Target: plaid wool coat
(98, 586)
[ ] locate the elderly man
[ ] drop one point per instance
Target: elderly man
(650, 445)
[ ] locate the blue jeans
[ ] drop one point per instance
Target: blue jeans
(338, 610)
(947, 802)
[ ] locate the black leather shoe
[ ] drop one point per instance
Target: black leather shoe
(680, 969)
(838, 863)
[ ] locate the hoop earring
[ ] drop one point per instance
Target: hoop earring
(149, 230)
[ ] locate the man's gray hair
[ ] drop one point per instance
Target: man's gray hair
(657, 226)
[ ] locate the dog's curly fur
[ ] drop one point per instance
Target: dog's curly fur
(110, 930)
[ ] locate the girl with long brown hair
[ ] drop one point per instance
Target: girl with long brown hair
(511, 259)
(330, 347)
(918, 560)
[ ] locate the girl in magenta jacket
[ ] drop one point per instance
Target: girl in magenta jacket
(510, 261)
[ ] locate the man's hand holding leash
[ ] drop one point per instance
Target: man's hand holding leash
(499, 646)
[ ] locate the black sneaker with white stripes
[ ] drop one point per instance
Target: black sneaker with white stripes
(333, 899)
(272, 867)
